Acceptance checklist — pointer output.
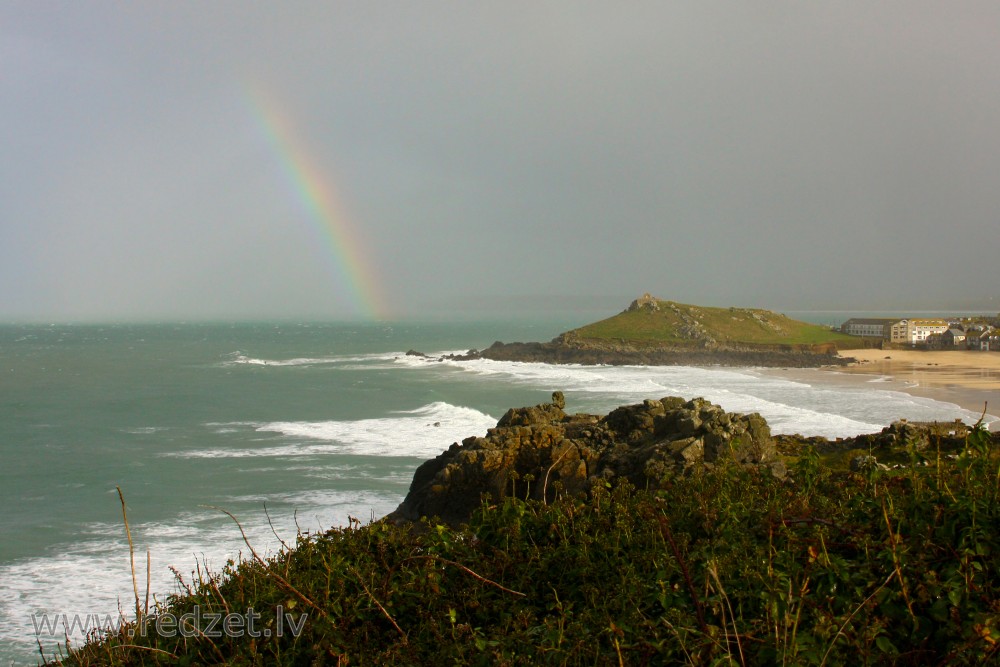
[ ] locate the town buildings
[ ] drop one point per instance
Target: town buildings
(919, 330)
(924, 332)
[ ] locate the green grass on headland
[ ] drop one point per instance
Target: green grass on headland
(725, 566)
(678, 323)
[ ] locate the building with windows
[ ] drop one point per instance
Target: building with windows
(898, 331)
(916, 331)
(868, 327)
(953, 337)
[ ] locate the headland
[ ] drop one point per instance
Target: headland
(655, 332)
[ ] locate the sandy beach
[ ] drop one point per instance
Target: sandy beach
(967, 378)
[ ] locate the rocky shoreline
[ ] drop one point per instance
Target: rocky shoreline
(568, 350)
(540, 452)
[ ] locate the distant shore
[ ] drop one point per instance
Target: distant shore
(968, 379)
(979, 371)
(965, 377)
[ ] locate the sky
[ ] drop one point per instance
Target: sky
(380, 160)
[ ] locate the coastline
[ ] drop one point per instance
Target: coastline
(967, 378)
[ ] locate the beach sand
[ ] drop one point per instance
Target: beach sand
(979, 371)
(966, 378)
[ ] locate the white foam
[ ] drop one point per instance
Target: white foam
(421, 433)
(238, 358)
(789, 406)
(419, 361)
(145, 430)
(92, 575)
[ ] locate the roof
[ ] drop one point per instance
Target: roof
(870, 320)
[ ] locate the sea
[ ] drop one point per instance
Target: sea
(292, 428)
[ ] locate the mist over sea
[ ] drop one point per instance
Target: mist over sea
(317, 422)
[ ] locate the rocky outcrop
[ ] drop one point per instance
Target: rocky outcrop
(541, 451)
(898, 438)
(905, 434)
(644, 302)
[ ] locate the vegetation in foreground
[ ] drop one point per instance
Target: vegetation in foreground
(679, 324)
(725, 566)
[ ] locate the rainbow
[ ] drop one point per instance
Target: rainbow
(347, 260)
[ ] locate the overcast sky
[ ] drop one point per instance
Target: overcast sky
(788, 155)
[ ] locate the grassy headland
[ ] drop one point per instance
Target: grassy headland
(661, 321)
(656, 332)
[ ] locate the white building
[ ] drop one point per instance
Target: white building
(916, 330)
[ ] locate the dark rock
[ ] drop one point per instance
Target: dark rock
(540, 451)
(919, 436)
(540, 414)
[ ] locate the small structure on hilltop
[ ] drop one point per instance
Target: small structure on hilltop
(644, 302)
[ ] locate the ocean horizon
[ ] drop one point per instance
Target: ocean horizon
(293, 428)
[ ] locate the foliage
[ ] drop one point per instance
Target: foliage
(724, 566)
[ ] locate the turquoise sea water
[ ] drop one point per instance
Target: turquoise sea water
(313, 421)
